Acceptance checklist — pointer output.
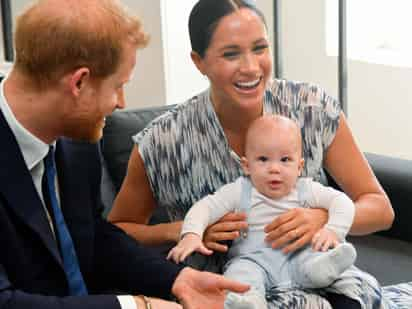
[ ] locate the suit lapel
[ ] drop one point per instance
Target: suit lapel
(75, 195)
(17, 186)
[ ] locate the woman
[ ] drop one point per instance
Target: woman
(194, 149)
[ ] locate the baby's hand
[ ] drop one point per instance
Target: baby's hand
(187, 245)
(324, 239)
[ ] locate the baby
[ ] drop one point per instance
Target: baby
(272, 164)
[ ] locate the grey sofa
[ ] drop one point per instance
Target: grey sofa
(386, 255)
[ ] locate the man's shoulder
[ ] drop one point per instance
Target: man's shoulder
(75, 146)
(77, 155)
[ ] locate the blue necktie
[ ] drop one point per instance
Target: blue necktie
(70, 263)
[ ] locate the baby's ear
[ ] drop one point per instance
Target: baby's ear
(301, 165)
(245, 165)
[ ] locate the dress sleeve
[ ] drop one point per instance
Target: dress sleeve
(331, 115)
(155, 147)
(145, 142)
(319, 116)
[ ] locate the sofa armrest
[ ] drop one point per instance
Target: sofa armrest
(395, 176)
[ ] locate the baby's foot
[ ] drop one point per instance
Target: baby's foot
(248, 300)
(325, 268)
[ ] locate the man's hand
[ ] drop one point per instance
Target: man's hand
(295, 228)
(227, 228)
(156, 303)
(197, 290)
(324, 240)
(187, 245)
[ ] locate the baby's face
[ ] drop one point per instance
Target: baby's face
(273, 161)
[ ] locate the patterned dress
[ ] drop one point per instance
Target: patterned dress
(187, 156)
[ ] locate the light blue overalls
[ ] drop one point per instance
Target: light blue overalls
(254, 262)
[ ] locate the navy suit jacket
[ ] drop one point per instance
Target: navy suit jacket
(31, 271)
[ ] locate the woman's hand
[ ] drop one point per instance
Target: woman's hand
(295, 228)
(227, 228)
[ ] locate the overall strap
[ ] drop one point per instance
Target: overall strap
(303, 192)
(245, 200)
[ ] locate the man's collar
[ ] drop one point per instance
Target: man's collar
(33, 149)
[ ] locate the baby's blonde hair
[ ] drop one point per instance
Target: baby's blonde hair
(259, 125)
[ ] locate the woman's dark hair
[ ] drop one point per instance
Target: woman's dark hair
(206, 15)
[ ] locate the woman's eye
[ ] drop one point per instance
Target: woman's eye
(230, 54)
(262, 159)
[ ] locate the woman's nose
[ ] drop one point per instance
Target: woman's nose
(249, 63)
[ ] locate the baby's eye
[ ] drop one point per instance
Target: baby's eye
(262, 159)
(260, 48)
(285, 159)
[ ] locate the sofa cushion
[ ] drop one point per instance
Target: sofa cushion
(388, 259)
(117, 138)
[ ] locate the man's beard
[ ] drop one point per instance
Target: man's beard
(86, 130)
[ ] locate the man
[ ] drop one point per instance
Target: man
(72, 61)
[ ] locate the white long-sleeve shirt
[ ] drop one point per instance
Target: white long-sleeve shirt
(263, 210)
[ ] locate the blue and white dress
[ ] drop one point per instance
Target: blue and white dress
(187, 156)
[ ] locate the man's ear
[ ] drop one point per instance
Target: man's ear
(198, 61)
(78, 80)
(245, 166)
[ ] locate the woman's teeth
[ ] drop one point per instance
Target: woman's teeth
(248, 85)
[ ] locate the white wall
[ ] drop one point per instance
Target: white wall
(182, 78)
(379, 97)
(148, 86)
